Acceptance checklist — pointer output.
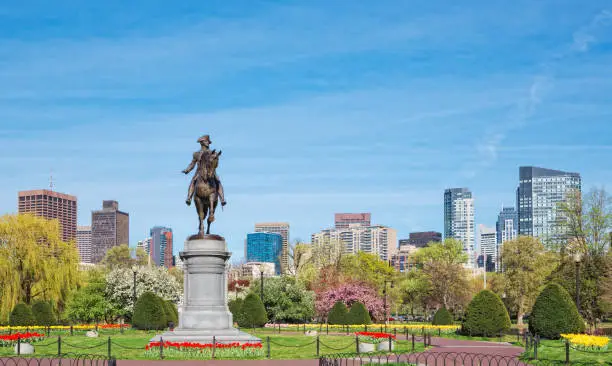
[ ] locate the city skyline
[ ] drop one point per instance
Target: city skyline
(379, 108)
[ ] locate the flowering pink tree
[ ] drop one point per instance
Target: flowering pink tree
(349, 293)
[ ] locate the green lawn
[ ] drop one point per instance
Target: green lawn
(130, 345)
(553, 353)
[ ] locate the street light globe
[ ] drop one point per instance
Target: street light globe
(577, 257)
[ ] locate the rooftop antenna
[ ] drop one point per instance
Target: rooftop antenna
(51, 180)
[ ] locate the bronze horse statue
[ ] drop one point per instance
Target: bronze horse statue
(206, 193)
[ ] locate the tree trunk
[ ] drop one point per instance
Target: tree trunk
(519, 314)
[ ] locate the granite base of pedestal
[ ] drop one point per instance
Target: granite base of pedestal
(205, 314)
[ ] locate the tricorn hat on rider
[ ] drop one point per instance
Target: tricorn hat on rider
(205, 138)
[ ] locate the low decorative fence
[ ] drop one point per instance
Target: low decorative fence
(64, 360)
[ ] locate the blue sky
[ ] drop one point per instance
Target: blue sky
(318, 106)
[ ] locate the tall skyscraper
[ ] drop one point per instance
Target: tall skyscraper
(343, 220)
(161, 246)
(281, 228)
(264, 247)
(507, 229)
(459, 219)
(145, 245)
(83, 239)
(538, 195)
(376, 239)
(52, 206)
(487, 241)
(421, 239)
(109, 228)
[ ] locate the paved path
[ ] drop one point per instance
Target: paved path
(220, 363)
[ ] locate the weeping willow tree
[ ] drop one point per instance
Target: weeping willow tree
(35, 264)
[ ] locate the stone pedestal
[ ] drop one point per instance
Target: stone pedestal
(205, 313)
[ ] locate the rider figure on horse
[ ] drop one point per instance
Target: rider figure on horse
(202, 157)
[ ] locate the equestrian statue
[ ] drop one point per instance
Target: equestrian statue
(205, 187)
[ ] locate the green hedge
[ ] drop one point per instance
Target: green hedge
(486, 315)
(358, 314)
(171, 312)
(252, 312)
(43, 313)
(442, 317)
(234, 307)
(555, 313)
(338, 314)
(21, 316)
(149, 312)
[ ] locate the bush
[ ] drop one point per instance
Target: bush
(252, 312)
(234, 307)
(171, 312)
(149, 312)
(486, 315)
(21, 316)
(358, 314)
(338, 314)
(43, 313)
(555, 313)
(442, 317)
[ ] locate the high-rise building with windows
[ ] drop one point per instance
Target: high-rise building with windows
(264, 247)
(83, 240)
(343, 220)
(507, 229)
(52, 206)
(161, 246)
(281, 228)
(145, 245)
(376, 239)
(538, 196)
(487, 242)
(109, 228)
(459, 219)
(421, 239)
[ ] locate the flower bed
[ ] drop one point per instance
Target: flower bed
(411, 328)
(9, 340)
(65, 327)
(190, 350)
(374, 337)
(587, 342)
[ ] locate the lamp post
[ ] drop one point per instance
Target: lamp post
(134, 293)
(577, 258)
(385, 300)
(261, 272)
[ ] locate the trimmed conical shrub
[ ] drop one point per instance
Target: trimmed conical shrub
(43, 313)
(358, 314)
(21, 316)
(252, 312)
(171, 312)
(234, 307)
(442, 317)
(486, 315)
(554, 313)
(149, 312)
(338, 314)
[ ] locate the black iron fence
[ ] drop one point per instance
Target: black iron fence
(67, 359)
(442, 359)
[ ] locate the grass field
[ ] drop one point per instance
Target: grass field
(553, 353)
(131, 344)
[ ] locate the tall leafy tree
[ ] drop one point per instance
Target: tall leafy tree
(35, 264)
(526, 265)
(414, 290)
(120, 257)
(286, 299)
(443, 268)
(588, 222)
(367, 268)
